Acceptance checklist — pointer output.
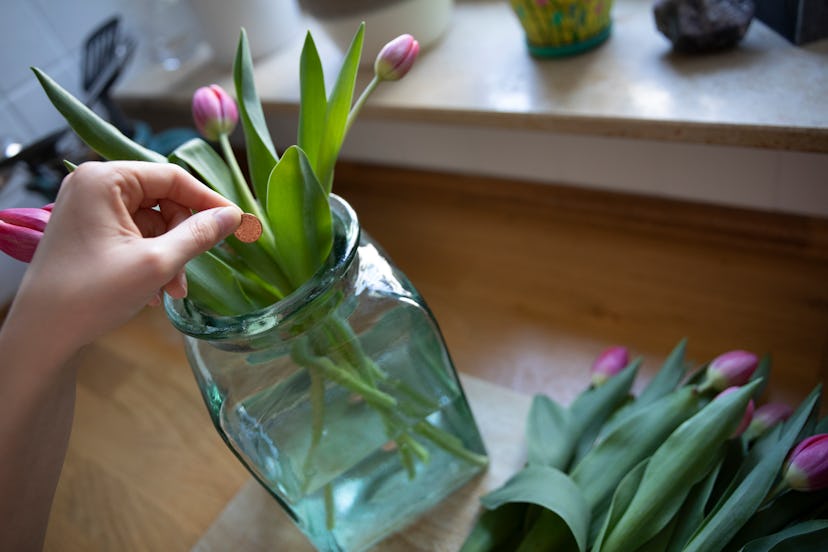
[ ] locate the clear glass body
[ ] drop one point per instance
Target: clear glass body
(341, 399)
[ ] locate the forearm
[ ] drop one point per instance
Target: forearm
(37, 396)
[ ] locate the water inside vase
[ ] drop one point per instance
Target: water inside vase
(356, 497)
(351, 461)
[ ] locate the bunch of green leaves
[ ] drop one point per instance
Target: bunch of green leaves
(288, 193)
(660, 472)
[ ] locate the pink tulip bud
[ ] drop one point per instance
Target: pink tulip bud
(743, 425)
(214, 111)
(767, 416)
(733, 368)
(27, 217)
(807, 466)
(396, 58)
(21, 230)
(19, 242)
(609, 363)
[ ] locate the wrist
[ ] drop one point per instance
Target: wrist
(32, 336)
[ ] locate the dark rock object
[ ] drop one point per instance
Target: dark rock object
(703, 25)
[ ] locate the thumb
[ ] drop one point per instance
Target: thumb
(199, 232)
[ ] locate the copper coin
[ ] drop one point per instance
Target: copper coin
(250, 228)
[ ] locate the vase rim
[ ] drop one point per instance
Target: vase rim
(192, 320)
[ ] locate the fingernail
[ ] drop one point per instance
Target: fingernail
(228, 218)
(182, 283)
(156, 300)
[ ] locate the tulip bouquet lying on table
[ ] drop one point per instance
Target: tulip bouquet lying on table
(319, 362)
(687, 465)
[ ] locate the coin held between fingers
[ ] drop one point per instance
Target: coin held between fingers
(250, 228)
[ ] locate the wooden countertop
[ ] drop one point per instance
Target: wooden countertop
(528, 286)
(766, 93)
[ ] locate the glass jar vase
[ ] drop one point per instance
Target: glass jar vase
(341, 399)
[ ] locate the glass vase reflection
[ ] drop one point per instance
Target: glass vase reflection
(341, 399)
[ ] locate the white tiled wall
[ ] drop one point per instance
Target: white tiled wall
(50, 34)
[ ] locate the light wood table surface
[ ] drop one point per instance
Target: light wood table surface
(529, 284)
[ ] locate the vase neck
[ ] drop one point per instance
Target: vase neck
(289, 314)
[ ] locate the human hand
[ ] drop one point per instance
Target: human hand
(107, 252)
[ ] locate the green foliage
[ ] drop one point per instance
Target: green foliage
(222, 288)
(665, 473)
(313, 103)
(199, 157)
(752, 483)
(551, 489)
(807, 536)
(98, 134)
(299, 215)
(290, 194)
(261, 155)
(337, 113)
(549, 436)
(678, 464)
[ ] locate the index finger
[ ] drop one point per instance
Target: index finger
(141, 181)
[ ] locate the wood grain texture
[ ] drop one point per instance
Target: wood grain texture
(529, 284)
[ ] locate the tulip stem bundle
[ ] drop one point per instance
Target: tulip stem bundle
(672, 470)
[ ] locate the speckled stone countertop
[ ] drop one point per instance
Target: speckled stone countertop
(766, 93)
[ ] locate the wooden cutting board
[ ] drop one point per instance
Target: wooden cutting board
(254, 522)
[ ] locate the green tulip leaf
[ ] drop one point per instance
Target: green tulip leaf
(494, 528)
(336, 115)
(632, 441)
(546, 531)
(200, 157)
(664, 382)
(806, 536)
(661, 540)
(684, 459)
(752, 483)
(592, 408)
(261, 155)
(822, 426)
(313, 103)
(735, 452)
(692, 511)
(783, 511)
(97, 133)
(300, 216)
(621, 499)
(218, 286)
(549, 435)
(762, 372)
(668, 377)
(551, 489)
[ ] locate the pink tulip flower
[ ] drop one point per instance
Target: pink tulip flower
(806, 468)
(21, 230)
(767, 416)
(396, 58)
(608, 364)
(214, 111)
(733, 368)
